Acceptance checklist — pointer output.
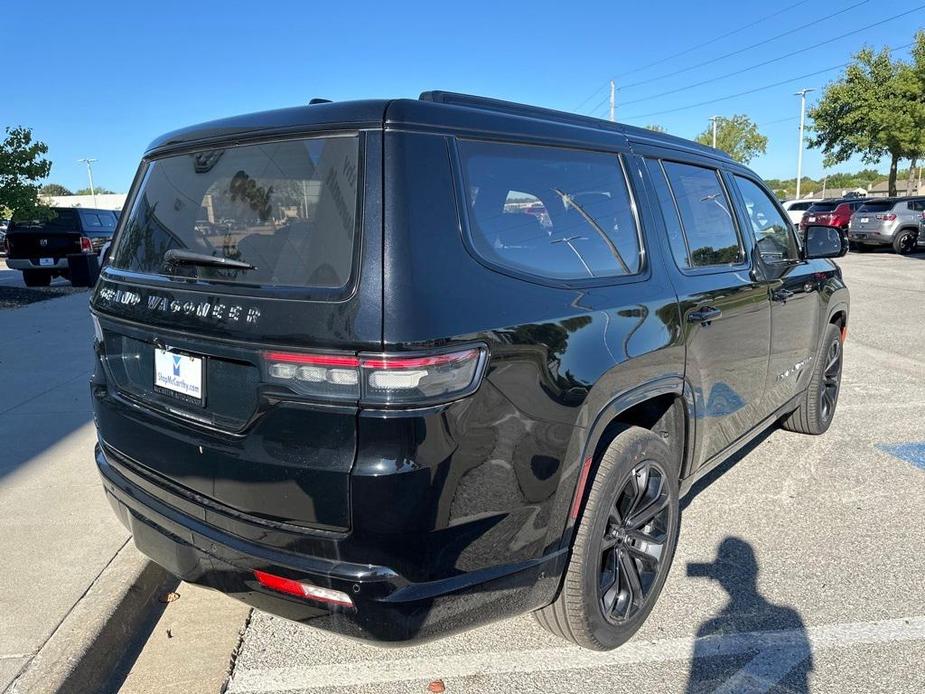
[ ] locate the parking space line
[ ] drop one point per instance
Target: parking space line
(373, 672)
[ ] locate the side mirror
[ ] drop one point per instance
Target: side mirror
(823, 242)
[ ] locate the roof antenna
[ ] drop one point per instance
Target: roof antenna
(316, 100)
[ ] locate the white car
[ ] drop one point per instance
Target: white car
(796, 208)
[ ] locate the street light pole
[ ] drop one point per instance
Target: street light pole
(89, 163)
(802, 94)
(713, 120)
(613, 101)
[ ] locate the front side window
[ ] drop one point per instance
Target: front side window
(553, 213)
(706, 215)
(286, 210)
(773, 235)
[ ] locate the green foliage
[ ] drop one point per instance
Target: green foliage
(22, 166)
(655, 127)
(97, 191)
(54, 189)
(875, 109)
(737, 136)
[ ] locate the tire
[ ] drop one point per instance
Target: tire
(814, 415)
(612, 532)
(36, 278)
(905, 241)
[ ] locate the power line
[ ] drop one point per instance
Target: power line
(752, 91)
(772, 60)
(697, 46)
(746, 48)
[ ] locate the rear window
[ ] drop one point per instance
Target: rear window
(98, 221)
(287, 208)
(876, 207)
(823, 206)
(59, 219)
(800, 206)
(553, 213)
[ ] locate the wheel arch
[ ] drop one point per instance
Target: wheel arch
(662, 406)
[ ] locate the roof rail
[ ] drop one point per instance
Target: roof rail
(514, 108)
(511, 107)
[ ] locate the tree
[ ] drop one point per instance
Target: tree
(655, 127)
(875, 109)
(54, 189)
(22, 166)
(95, 191)
(737, 136)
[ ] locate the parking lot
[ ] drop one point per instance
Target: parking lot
(800, 564)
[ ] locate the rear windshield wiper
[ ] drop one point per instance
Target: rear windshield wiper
(176, 256)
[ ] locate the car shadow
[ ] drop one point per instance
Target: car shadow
(734, 650)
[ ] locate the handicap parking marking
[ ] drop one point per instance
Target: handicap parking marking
(778, 652)
(911, 452)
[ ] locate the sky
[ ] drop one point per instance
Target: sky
(103, 79)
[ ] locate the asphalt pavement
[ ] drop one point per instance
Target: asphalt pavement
(813, 547)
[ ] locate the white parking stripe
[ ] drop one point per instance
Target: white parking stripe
(573, 658)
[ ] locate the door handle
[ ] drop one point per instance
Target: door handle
(704, 315)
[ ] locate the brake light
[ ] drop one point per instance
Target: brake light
(86, 245)
(888, 217)
(302, 590)
(379, 379)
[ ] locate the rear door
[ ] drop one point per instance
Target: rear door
(192, 400)
(723, 305)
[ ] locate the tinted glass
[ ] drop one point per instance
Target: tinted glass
(916, 205)
(554, 213)
(59, 219)
(98, 221)
(772, 232)
(706, 215)
(800, 206)
(823, 206)
(287, 208)
(679, 247)
(876, 206)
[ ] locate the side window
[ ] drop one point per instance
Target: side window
(916, 205)
(706, 215)
(679, 248)
(773, 235)
(554, 213)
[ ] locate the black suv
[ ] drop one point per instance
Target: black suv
(445, 360)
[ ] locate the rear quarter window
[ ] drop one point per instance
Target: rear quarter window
(551, 213)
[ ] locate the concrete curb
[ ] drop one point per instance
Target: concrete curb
(83, 652)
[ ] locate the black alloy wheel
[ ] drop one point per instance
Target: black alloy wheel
(634, 542)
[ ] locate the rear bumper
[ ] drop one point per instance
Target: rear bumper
(33, 264)
(387, 607)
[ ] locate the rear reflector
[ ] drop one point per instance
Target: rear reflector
(380, 379)
(302, 590)
(580, 489)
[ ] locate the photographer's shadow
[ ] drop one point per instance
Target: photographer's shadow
(733, 651)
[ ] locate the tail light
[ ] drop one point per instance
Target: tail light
(86, 245)
(380, 379)
(888, 217)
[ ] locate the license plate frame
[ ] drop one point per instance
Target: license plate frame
(46, 262)
(180, 375)
(864, 220)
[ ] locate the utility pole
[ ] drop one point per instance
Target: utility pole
(714, 120)
(613, 101)
(89, 163)
(802, 94)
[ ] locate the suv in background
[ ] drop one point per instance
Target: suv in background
(796, 208)
(457, 360)
(40, 247)
(887, 222)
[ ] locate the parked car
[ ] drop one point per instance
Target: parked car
(40, 247)
(796, 208)
(891, 222)
(396, 411)
(4, 224)
(832, 213)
